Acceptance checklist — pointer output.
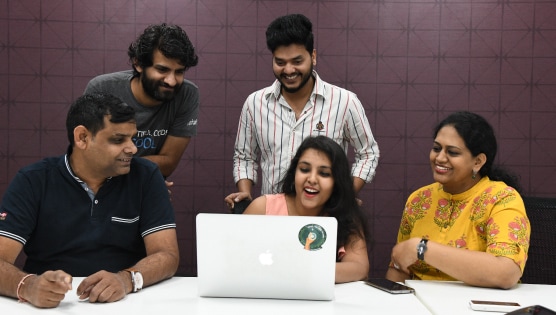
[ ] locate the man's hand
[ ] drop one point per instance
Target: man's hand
(46, 290)
(103, 286)
(232, 199)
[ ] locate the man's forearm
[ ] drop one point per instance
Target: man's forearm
(10, 276)
(358, 184)
(157, 267)
(162, 259)
(165, 164)
(245, 185)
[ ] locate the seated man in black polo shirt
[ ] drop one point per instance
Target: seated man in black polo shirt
(95, 212)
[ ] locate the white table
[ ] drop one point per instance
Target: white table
(452, 297)
(179, 296)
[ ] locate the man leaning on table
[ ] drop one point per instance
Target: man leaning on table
(95, 212)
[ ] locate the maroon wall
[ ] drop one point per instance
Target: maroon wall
(410, 62)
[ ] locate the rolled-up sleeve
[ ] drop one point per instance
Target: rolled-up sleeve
(362, 139)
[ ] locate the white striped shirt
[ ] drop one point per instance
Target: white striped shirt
(268, 128)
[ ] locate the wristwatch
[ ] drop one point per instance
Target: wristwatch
(136, 279)
(422, 248)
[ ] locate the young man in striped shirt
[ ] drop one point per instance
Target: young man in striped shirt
(275, 120)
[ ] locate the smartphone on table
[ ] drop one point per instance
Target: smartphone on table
(493, 306)
(389, 286)
(534, 309)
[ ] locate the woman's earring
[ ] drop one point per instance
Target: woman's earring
(474, 175)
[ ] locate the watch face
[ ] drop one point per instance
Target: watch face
(138, 280)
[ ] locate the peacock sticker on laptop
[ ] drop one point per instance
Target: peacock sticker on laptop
(312, 236)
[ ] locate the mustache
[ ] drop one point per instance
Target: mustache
(166, 85)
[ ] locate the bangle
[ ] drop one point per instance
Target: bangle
(21, 282)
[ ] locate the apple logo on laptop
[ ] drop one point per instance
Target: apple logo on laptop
(266, 258)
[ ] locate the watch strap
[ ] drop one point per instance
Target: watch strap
(422, 248)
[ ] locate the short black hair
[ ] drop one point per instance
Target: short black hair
(89, 110)
(290, 29)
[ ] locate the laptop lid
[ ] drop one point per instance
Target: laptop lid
(266, 256)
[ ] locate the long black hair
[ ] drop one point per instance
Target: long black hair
(342, 204)
(479, 137)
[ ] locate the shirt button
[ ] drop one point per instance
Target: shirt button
(96, 201)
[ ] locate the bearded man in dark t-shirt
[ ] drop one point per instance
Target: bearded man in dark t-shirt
(166, 104)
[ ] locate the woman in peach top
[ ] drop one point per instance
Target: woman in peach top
(318, 183)
(470, 225)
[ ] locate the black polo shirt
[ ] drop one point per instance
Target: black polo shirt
(61, 227)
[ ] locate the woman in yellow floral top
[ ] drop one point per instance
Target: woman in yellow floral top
(470, 225)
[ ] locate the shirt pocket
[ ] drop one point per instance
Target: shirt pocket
(124, 232)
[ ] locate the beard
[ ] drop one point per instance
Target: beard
(304, 79)
(152, 89)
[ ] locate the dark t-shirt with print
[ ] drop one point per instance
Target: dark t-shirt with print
(177, 117)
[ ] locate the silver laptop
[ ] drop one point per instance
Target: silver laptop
(264, 256)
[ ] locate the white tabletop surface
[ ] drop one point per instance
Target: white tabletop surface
(452, 297)
(179, 296)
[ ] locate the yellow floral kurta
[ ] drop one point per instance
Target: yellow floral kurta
(489, 217)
